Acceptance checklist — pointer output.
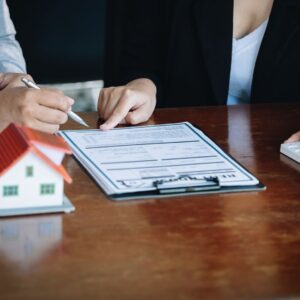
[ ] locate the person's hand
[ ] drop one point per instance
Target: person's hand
(43, 109)
(132, 103)
(293, 138)
(11, 80)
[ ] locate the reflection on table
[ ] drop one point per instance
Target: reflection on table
(27, 241)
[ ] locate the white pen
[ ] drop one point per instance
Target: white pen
(70, 113)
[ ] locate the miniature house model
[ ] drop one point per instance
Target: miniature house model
(31, 174)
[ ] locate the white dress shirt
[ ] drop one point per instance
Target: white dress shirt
(11, 57)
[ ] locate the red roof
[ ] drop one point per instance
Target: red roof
(42, 138)
(16, 141)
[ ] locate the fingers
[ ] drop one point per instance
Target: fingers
(139, 115)
(104, 97)
(40, 117)
(101, 100)
(44, 119)
(47, 97)
(108, 100)
(42, 126)
(118, 114)
(132, 103)
(54, 99)
(50, 116)
(294, 138)
(12, 80)
(43, 109)
(112, 101)
(130, 110)
(15, 80)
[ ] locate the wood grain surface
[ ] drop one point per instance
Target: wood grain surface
(225, 246)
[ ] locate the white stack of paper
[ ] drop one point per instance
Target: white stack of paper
(130, 160)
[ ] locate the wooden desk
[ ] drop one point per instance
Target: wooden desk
(227, 246)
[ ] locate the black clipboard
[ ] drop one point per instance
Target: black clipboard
(204, 191)
(187, 186)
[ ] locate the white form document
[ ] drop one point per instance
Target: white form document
(129, 160)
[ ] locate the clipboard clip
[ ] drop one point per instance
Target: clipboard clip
(186, 184)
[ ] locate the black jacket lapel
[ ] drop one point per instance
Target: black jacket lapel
(282, 27)
(214, 27)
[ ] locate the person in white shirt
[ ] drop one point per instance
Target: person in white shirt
(44, 109)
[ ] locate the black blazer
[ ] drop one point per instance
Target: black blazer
(185, 46)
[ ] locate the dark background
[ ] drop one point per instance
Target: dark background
(62, 40)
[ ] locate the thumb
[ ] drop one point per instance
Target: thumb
(294, 138)
(138, 115)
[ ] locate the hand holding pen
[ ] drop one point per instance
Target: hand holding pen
(71, 114)
(42, 109)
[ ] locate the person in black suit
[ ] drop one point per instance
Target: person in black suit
(204, 52)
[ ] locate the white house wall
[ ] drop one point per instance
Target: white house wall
(29, 187)
(55, 155)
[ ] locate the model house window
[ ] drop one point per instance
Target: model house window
(29, 171)
(47, 189)
(10, 190)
